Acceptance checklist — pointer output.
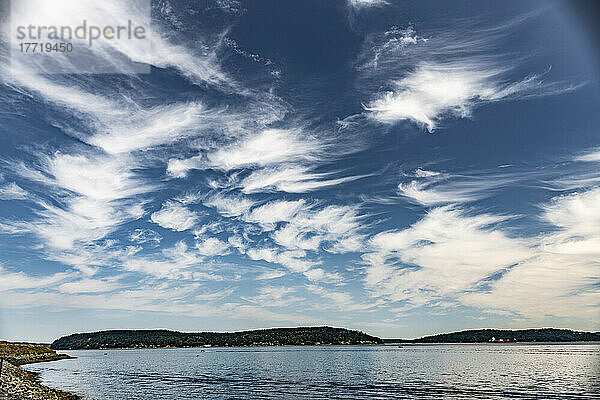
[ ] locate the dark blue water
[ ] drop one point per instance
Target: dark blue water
(488, 371)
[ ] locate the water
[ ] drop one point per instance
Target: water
(486, 371)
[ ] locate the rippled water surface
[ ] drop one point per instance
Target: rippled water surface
(488, 371)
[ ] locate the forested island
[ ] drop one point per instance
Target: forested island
(505, 335)
(166, 338)
(324, 335)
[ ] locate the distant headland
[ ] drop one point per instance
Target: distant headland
(324, 335)
(505, 336)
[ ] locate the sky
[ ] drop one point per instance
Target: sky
(398, 167)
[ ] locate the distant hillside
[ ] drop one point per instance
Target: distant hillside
(165, 338)
(500, 335)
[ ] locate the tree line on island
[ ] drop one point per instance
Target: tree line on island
(301, 336)
(506, 335)
(166, 338)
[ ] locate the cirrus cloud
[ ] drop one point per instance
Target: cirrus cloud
(175, 216)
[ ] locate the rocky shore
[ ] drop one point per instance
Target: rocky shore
(18, 384)
(35, 358)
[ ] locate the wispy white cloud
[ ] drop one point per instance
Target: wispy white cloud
(383, 52)
(91, 176)
(294, 260)
(423, 173)
(434, 90)
(448, 74)
(333, 225)
(212, 296)
(272, 213)
(593, 156)
(149, 128)
(320, 275)
(145, 236)
(97, 195)
(268, 147)
(444, 254)
(175, 216)
(179, 168)
(70, 96)
(577, 214)
(578, 173)
(296, 236)
(563, 274)
(155, 50)
(274, 296)
(229, 206)
(270, 274)
(20, 280)
(12, 191)
(290, 179)
(451, 256)
(213, 227)
(177, 262)
(280, 160)
(89, 286)
(421, 193)
(161, 298)
(92, 258)
(340, 300)
(302, 228)
(177, 298)
(121, 125)
(434, 188)
(358, 4)
(211, 247)
(271, 146)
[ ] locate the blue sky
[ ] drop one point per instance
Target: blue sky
(402, 168)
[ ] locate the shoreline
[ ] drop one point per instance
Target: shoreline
(22, 360)
(495, 343)
(17, 383)
(332, 345)
(222, 347)
(298, 336)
